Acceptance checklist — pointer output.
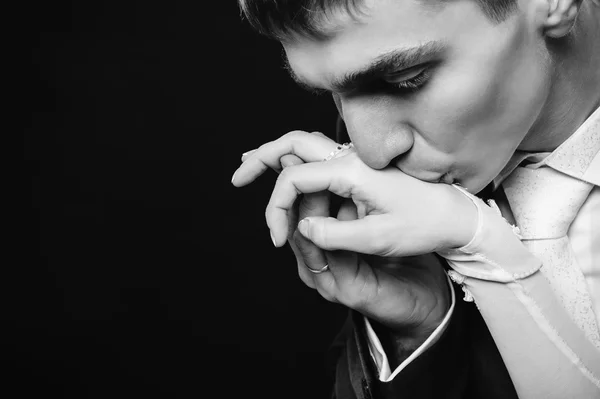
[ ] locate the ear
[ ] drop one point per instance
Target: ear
(562, 15)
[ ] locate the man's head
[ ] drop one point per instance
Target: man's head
(284, 19)
(442, 89)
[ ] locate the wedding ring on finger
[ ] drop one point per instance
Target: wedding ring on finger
(319, 271)
(339, 149)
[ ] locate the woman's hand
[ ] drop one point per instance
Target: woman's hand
(398, 215)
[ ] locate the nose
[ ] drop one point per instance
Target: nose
(379, 131)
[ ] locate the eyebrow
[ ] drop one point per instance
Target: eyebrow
(387, 63)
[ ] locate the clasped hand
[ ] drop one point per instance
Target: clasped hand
(379, 246)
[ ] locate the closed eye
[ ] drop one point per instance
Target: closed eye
(408, 80)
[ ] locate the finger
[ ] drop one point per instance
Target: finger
(342, 265)
(293, 218)
(313, 204)
(352, 277)
(247, 154)
(307, 146)
(316, 204)
(367, 235)
(321, 134)
(334, 176)
(308, 256)
(302, 270)
(346, 212)
(290, 160)
(343, 271)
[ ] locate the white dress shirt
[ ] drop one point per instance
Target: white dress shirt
(579, 157)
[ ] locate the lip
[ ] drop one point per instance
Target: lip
(432, 177)
(446, 179)
(429, 177)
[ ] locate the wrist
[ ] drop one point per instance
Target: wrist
(400, 341)
(460, 218)
(397, 346)
(496, 252)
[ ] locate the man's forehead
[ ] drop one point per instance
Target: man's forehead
(355, 44)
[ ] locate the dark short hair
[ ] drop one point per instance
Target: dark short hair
(283, 19)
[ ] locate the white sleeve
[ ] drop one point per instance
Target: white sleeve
(545, 352)
(379, 356)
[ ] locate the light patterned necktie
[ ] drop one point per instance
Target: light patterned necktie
(544, 203)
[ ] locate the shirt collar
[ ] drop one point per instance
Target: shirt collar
(578, 156)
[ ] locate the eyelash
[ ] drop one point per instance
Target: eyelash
(413, 84)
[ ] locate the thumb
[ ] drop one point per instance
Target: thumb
(360, 235)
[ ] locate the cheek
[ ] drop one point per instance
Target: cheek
(478, 111)
(474, 102)
(460, 111)
(478, 120)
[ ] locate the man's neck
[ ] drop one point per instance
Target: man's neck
(575, 91)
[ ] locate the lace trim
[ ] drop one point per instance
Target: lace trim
(460, 280)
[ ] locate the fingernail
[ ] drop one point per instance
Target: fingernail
(247, 153)
(233, 177)
(303, 227)
(273, 239)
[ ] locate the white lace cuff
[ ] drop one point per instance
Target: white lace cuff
(495, 253)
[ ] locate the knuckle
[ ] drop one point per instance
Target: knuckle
(304, 250)
(292, 223)
(304, 275)
(306, 206)
(307, 281)
(358, 293)
(325, 292)
(295, 134)
(310, 203)
(353, 301)
(263, 147)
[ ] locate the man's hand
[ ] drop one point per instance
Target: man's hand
(408, 295)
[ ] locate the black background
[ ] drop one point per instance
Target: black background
(145, 272)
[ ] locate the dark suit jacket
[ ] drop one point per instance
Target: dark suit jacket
(464, 363)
